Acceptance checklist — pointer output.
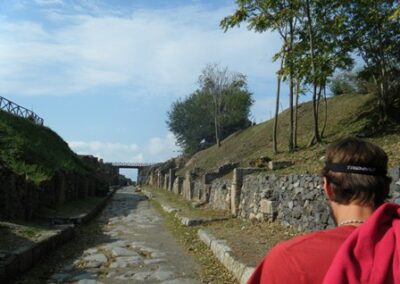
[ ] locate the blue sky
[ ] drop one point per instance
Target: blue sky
(103, 74)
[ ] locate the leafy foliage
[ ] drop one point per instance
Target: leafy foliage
(348, 83)
(374, 31)
(192, 120)
(320, 36)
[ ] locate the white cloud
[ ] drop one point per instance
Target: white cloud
(163, 146)
(157, 150)
(110, 152)
(156, 51)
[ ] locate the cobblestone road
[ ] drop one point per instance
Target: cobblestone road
(136, 249)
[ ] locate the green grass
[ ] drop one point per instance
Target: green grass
(31, 231)
(348, 115)
(33, 150)
(187, 210)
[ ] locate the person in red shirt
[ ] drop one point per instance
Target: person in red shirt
(356, 184)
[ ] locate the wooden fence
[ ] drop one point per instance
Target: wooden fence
(18, 110)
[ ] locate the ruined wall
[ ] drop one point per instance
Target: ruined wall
(21, 198)
(297, 200)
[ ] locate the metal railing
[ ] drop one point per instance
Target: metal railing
(132, 165)
(18, 110)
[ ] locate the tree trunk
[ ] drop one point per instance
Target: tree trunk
(295, 113)
(384, 91)
(380, 103)
(326, 112)
(291, 133)
(216, 118)
(316, 135)
(275, 127)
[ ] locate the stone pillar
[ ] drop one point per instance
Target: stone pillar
(165, 182)
(159, 179)
(139, 177)
(59, 188)
(171, 179)
(188, 186)
(177, 187)
(236, 188)
(151, 178)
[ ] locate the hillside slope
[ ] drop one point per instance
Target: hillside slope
(34, 150)
(346, 115)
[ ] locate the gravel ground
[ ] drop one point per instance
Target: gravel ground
(250, 241)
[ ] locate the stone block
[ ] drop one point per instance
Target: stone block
(260, 162)
(25, 259)
(247, 272)
(266, 206)
(205, 237)
(169, 209)
(11, 266)
(219, 248)
(276, 165)
(234, 266)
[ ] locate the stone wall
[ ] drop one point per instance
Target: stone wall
(297, 200)
(22, 199)
(19, 196)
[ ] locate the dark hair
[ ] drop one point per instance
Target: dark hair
(356, 187)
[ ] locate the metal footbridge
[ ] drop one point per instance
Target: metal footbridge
(132, 165)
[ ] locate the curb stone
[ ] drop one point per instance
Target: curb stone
(148, 194)
(25, 257)
(186, 221)
(220, 248)
(169, 209)
(224, 254)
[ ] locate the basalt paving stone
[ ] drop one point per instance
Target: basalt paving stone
(139, 249)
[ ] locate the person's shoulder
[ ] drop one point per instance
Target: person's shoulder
(338, 234)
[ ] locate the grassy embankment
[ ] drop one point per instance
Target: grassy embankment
(347, 115)
(37, 152)
(34, 150)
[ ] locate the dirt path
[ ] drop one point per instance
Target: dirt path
(129, 244)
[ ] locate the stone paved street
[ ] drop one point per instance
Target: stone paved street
(136, 249)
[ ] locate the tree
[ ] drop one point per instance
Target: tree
(312, 34)
(219, 83)
(324, 46)
(275, 126)
(274, 15)
(218, 108)
(191, 122)
(347, 83)
(374, 31)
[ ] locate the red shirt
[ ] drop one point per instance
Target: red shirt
(304, 259)
(372, 253)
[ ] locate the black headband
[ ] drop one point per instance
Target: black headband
(356, 169)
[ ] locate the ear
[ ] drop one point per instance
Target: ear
(327, 189)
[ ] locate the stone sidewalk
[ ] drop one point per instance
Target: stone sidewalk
(135, 248)
(219, 248)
